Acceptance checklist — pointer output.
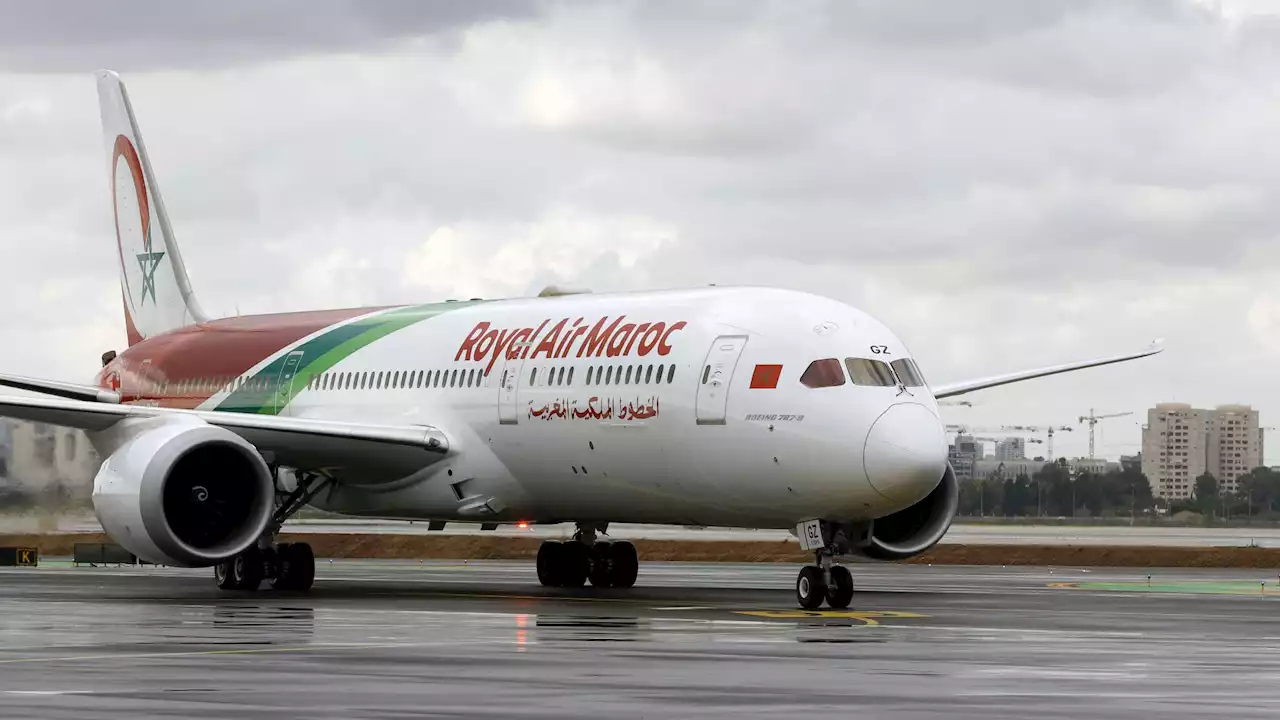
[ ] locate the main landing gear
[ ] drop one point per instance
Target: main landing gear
(571, 564)
(285, 566)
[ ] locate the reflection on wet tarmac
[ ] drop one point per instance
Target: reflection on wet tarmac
(164, 644)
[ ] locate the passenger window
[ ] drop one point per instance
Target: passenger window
(908, 373)
(671, 374)
(706, 373)
(474, 381)
(570, 376)
(453, 378)
(628, 374)
(823, 373)
(648, 375)
(560, 377)
(608, 376)
(869, 372)
(589, 371)
(533, 376)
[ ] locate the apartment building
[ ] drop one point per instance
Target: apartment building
(1014, 448)
(1180, 443)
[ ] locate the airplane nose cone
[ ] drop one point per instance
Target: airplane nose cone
(906, 452)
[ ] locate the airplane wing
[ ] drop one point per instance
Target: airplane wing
(959, 388)
(295, 442)
(71, 391)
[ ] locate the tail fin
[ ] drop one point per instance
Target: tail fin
(157, 292)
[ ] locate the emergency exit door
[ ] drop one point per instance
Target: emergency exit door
(713, 383)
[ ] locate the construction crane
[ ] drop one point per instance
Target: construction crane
(965, 429)
(1047, 429)
(1093, 419)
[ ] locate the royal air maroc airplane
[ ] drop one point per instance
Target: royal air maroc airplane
(739, 407)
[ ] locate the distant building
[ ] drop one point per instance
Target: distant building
(963, 454)
(1131, 462)
(1235, 444)
(1014, 468)
(6, 447)
(1180, 443)
(1014, 448)
(44, 456)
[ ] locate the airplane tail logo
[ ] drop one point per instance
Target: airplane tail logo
(153, 281)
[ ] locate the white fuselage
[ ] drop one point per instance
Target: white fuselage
(683, 438)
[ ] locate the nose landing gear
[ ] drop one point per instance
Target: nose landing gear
(824, 580)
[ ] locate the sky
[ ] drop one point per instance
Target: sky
(1006, 184)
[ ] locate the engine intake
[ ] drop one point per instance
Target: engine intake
(184, 493)
(916, 528)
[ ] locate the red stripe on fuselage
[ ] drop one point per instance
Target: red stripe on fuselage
(218, 349)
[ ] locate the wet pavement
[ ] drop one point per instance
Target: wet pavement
(482, 640)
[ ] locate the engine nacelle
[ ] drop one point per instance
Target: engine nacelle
(184, 493)
(917, 528)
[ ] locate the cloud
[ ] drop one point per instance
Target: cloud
(1007, 184)
(137, 35)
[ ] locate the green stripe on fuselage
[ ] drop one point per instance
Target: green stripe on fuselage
(321, 353)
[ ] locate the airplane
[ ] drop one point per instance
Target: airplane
(748, 407)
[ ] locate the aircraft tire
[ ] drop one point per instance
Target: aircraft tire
(296, 567)
(602, 565)
(840, 592)
(575, 564)
(625, 564)
(246, 570)
(810, 589)
(222, 576)
(549, 562)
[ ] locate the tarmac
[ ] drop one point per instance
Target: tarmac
(482, 640)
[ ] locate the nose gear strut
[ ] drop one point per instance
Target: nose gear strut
(824, 579)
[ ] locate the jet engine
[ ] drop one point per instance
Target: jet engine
(184, 493)
(915, 528)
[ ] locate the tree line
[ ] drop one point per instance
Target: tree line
(1056, 491)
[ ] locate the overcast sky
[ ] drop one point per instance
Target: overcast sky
(1005, 183)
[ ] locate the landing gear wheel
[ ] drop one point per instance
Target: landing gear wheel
(810, 589)
(296, 569)
(575, 563)
(549, 562)
(602, 563)
(246, 570)
(625, 564)
(840, 591)
(222, 575)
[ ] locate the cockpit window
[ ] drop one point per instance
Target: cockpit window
(908, 373)
(870, 372)
(823, 373)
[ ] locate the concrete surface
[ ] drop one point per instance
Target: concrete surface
(483, 640)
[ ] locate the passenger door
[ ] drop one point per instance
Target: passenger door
(713, 384)
(284, 387)
(509, 385)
